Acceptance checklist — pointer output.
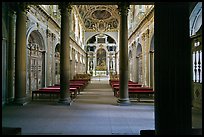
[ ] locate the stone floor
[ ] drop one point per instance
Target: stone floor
(93, 112)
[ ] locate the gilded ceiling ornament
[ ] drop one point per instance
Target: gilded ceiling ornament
(99, 18)
(101, 14)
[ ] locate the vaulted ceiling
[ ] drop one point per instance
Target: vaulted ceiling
(99, 17)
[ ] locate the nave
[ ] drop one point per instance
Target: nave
(94, 112)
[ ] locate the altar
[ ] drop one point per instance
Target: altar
(101, 73)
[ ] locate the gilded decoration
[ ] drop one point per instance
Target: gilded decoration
(99, 17)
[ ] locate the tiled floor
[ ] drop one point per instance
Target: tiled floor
(93, 112)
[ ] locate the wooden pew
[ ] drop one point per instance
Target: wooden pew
(80, 85)
(135, 91)
(129, 85)
(116, 82)
(82, 81)
(53, 91)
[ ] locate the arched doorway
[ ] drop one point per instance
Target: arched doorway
(139, 63)
(36, 61)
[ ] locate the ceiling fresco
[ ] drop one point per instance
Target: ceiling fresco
(99, 17)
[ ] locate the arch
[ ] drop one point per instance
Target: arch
(196, 19)
(138, 49)
(36, 35)
(57, 48)
(36, 59)
(92, 35)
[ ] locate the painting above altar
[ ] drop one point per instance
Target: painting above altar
(101, 60)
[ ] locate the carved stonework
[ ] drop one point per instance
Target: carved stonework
(147, 33)
(53, 36)
(48, 33)
(123, 8)
(143, 36)
(99, 17)
(29, 23)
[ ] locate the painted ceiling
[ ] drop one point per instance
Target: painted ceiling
(99, 17)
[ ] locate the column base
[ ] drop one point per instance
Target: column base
(9, 100)
(123, 102)
(20, 101)
(65, 101)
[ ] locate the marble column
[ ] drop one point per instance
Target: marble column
(124, 96)
(20, 64)
(172, 69)
(11, 53)
(64, 55)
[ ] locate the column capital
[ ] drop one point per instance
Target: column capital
(123, 8)
(65, 7)
(22, 6)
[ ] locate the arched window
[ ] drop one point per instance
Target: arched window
(196, 42)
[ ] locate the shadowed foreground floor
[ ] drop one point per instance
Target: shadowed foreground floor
(93, 112)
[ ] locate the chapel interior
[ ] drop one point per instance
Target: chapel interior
(101, 68)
